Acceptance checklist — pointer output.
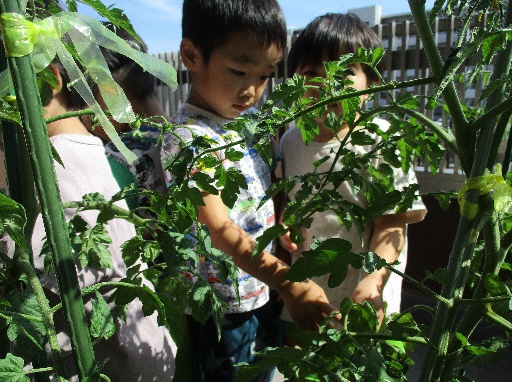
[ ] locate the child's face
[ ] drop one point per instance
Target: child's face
(235, 77)
(359, 79)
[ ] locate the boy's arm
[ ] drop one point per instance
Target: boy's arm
(387, 241)
(306, 301)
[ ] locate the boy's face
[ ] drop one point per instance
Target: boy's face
(359, 79)
(235, 77)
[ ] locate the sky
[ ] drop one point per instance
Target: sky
(158, 22)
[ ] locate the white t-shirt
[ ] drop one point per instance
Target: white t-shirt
(253, 292)
(298, 160)
(140, 350)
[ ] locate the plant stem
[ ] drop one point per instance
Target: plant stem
(27, 268)
(445, 135)
(498, 320)
(378, 336)
(466, 141)
(475, 312)
(36, 136)
(75, 113)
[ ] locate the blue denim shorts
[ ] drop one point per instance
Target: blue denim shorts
(242, 335)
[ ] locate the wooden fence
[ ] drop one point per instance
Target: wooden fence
(405, 59)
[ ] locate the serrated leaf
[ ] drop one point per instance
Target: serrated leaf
(233, 155)
(333, 256)
(114, 15)
(232, 181)
(267, 237)
(94, 251)
(27, 335)
(11, 369)
(13, 219)
(205, 182)
(102, 322)
(361, 138)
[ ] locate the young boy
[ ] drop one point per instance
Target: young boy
(326, 38)
(139, 350)
(231, 48)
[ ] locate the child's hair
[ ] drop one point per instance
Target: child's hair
(334, 35)
(209, 23)
(134, 80)
(72, 99)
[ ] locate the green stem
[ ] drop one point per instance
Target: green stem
(481, 301)
(70, 114)
(39, 370)
(466, 141)
(27, 268)
(475, 312)
(371, 90)
(388, 337)
(445, 135)
(429, 292)
(118, 211)
(36, 137)
(25, 316)
(486, 118)
(499, 321)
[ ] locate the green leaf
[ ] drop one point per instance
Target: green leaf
(180, 164)
(232, 181)
(404, 326)
(94, 251)
(205, 182)
(267, 237)
(13, 220)
(9, 113)
(11, 369)
(233, 155)
(102, 322)
(114, 15)
(132, 249)
(308, 127)
(495, 286)
(204, 302)
(441, 275)
(363, 318)
(373, 262)
(333, 256)
(27, 335)
(360, 138)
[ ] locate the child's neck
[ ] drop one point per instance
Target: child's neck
(327, 135)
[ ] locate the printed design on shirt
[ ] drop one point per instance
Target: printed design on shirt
(245, 212)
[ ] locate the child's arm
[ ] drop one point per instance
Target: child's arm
(285, 240)
(387, 241)
(306, 301)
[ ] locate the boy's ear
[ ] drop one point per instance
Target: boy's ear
(55, 70)
(191, 55)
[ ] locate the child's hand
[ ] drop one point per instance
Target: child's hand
(369, 289)
(286, 242)
(307, 304)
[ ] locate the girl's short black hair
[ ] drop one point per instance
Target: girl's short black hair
(333, 34)
(209, 23)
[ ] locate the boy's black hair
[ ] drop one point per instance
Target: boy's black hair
(333, 34)
(209, 23)
(127, 73)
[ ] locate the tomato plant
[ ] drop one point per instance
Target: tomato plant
(476, 286)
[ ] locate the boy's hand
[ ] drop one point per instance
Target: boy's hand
(370, 289)
(287, 243)
(307, 304)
